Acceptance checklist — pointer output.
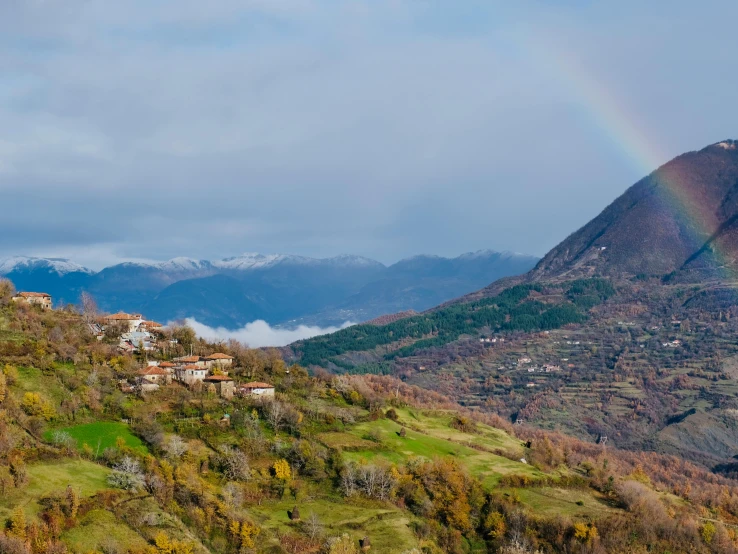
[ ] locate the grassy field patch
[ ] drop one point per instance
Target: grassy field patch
(553, 501)
(388, 527)
(99, 530)
(101, 435)
(439, 440)
(44, 478)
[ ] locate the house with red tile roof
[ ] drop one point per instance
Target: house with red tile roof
(155, 374)
(34, 299)
(256, 388)
(219, 360)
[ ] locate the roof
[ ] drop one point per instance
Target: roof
(214, 378)
(192, 366)
(122, 316)
(152, 324)
(34, 295)
(188, 359)
(257, 385)
(153, 370)
(219, 356)
(166, 364)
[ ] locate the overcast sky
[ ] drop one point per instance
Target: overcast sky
(385, 128)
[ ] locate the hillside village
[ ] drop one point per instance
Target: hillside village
(137, 335)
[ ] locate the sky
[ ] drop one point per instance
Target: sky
(147, 129)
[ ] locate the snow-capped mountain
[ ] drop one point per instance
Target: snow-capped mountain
(60, 266)
(276, 287)
(251, 260)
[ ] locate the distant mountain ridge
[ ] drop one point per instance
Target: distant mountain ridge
(280, 288)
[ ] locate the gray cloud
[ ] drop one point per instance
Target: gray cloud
(382, 128)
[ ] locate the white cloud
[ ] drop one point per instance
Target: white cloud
(259, 333)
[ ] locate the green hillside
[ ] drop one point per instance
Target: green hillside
(86, 467)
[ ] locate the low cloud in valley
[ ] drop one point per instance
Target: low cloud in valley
(259, 333)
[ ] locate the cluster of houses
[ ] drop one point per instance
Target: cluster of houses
(545, 368)
(209, 371)
(139, 334)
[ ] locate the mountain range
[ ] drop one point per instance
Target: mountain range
(280, 289)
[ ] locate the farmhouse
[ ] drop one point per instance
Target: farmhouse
(155, 374)
(192, 360)
(219, 360)
(34, 298)
(256, 389)
(132, 321)
(147, 385)
(151, 326)
(221, 384)
(191, 374)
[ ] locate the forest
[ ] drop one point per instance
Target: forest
(515, 309)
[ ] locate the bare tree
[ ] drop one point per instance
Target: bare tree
(276, 412)
(92, 379)
(348, 479)
(234, 463)
(175, 447)
(233, 495)
(89, 307)
(313, 526)
(127, 475)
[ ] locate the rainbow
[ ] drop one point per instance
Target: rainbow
(616, 123)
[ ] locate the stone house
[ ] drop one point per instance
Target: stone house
(155, 374)
(256, 389)
(222, 385)
(34, 299)
(131, 321)
(191, 374)
(219, 360)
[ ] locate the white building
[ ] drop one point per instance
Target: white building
(256, 389)
(191, 374)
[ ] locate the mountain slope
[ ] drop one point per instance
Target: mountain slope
(642, 349)
(683, 217)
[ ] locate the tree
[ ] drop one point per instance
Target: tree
(495, 525)
(127, 475)
(233, 495)
(17, 524)
(341, 545)
(35, 405)
(175, 447)
(7, 291)
(89, 307)
(234, 464)
(282, 470)
(312, 526)
(185, 336)
(3, 387)
(73, 501)
(584, 532)
(276, 412)
(708, 532)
